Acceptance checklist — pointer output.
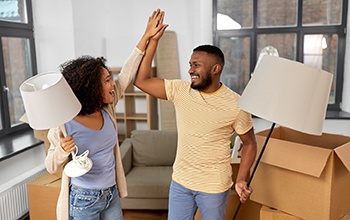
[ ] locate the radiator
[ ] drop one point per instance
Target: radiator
(14, 201)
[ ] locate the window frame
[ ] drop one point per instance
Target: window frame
(300, 31)
(17, 30)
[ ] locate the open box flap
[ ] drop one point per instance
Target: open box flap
(294, 156)
(53, 182)
(343, 153)
(45, 179)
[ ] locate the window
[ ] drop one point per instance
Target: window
(308, 31)
(17, 61)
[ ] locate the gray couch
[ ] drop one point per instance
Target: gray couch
(148, 156)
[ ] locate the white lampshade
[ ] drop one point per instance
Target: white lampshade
(288, 93)
(48, 101)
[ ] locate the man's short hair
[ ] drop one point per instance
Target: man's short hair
(213, 50)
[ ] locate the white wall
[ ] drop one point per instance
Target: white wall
(70, 28)
(53, 33)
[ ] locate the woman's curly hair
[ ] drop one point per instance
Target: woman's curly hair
(84, 77)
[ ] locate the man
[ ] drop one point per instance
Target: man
(207, 117)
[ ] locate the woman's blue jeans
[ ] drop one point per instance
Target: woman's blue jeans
(94, 204)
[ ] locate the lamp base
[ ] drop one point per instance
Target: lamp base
(73, 169)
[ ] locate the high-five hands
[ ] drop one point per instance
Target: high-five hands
(163, 26)
(155, 23)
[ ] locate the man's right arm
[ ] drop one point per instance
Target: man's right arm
(143, 80)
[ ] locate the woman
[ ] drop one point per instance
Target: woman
(95, 195)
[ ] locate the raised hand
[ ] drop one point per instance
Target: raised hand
(155, 23)
(160, 33)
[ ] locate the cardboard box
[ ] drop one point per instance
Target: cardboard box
(346, 217)
(267, 213)
(42, 197)
(304, 175)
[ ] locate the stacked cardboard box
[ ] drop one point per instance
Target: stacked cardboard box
(43, 192)
(42, 197)
(304, 175)
(267, 213)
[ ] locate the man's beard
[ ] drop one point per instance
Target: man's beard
(204, 84)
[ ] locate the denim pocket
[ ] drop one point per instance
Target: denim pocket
(83, 198)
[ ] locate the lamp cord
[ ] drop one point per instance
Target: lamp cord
(81, 160)
(256, 166)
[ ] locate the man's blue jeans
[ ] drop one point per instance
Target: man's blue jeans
(91, 204)
(183, 203)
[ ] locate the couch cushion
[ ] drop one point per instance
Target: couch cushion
(153, 147)
(149, 182)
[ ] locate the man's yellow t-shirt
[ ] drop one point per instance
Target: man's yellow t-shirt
(205, 124)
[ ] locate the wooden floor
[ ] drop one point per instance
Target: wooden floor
(145, 214)
(138, 215)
